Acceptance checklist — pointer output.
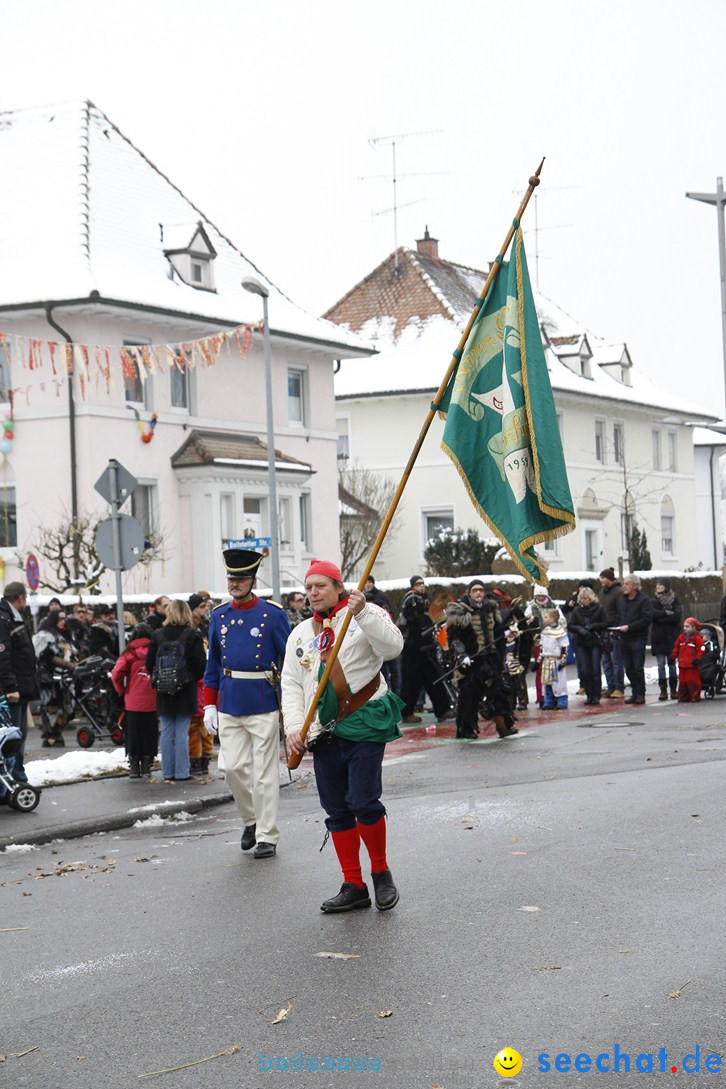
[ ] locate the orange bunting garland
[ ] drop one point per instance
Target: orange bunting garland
(97, 360)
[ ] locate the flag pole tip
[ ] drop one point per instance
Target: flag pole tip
(534, 180)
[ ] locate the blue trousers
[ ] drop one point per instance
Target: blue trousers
(612, 664)
(588, 659)
(19, 712)
(666, 663)
(175, 746)
(348, 776)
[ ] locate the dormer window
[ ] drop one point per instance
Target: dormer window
(190, 254)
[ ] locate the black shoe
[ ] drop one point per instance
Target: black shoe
(447, 716)
(349, 898)
(510, 732)
(630, 699)
(249, 837)
(265, 850)
(386, 892)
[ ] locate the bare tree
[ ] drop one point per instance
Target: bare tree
(364, 501)
(629, 488)
(69, 543)
(63, 545)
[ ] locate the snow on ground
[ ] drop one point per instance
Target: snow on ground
(75, 765)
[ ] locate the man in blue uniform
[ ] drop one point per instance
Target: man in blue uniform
(247, 637)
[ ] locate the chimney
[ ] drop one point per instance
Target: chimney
(428, 245)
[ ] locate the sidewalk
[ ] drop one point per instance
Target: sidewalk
(108, 803)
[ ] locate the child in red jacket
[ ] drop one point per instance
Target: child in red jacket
(688, 651)
(141, 726)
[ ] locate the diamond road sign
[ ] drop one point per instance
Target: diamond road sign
(131, 544)
(125, 483)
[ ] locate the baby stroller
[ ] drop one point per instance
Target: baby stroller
(90, 692)
(713, 664)
(18, 795)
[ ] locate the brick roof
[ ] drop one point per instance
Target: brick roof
(420, 287)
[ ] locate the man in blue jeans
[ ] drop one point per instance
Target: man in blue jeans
(635, 610)
(17, 666)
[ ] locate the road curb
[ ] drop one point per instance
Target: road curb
(113, 821)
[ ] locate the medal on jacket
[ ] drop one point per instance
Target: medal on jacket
(326, 638)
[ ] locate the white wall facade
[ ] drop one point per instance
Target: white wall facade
(229, 397)
(382, 430)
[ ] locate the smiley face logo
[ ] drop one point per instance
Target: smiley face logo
(507, 1062)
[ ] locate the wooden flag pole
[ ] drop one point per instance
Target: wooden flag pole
(295, 758)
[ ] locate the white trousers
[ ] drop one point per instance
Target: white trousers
(249, 747)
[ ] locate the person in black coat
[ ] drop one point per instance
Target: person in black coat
(665, 629)
(568, 606)
(175, 712)
(635, 612)
(418, 661)
(586, 622)
(17, 667)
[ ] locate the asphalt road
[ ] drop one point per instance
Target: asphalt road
(561, 894)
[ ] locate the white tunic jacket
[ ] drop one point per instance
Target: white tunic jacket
(372, 638)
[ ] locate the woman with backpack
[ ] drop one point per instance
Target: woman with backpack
(133, 683)
(175, 661)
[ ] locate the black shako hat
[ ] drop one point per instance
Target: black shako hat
(241, 563)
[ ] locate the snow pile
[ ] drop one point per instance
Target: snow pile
(76, 765)
(157, 821)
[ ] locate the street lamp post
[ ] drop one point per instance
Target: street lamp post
(256, 288)
(718, 199)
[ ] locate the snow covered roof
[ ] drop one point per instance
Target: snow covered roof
(86, 214)
(415, 348)
(223, 448)
(706, 436)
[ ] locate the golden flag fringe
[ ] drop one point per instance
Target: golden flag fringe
(294, 758)
(48, 362)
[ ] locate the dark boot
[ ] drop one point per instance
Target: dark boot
(194, 766)
(663, 692)
(134, 770)
(204, 764)
(146, 762)
(674, 689)
(349, 898)
(386, 892)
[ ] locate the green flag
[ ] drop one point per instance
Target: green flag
(501, 426)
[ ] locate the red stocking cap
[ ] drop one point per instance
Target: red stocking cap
(324, 567)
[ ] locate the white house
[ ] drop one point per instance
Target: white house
(99, 248)
(628, 445)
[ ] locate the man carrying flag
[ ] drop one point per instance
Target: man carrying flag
(501, 425)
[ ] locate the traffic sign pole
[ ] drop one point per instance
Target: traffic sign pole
(116, 519)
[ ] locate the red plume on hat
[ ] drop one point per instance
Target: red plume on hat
(326, 568)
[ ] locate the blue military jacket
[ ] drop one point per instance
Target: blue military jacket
(246, 640)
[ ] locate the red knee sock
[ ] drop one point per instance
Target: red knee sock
(374, 837)
(347, 848)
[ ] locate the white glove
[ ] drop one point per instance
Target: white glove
(211, 719)
(465, 662)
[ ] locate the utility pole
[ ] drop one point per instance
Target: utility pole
(718, 199)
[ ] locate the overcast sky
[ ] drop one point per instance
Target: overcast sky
(264, 115)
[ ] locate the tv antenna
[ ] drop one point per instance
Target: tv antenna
(394, 177)
(536, 229)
